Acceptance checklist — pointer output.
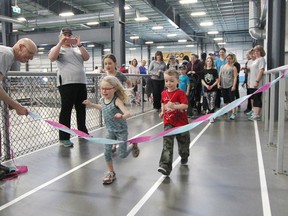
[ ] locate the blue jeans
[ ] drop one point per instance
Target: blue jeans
(123, 151)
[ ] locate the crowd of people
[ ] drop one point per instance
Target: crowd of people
(178, 91)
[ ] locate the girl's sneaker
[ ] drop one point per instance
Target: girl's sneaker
(109, 177)
(66, 143)
(135, 150)
(249, 114)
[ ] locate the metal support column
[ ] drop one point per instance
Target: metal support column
(119, 32)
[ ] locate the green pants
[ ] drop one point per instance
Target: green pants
(183, 140)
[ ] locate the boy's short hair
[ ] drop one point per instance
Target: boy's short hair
(172, 72)
(183, 67)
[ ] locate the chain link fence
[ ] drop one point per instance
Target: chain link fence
(38, 92)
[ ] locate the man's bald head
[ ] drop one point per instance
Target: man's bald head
(24, 50)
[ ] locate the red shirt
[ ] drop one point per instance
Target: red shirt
(173, 116)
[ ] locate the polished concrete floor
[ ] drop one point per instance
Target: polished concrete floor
(222, 177)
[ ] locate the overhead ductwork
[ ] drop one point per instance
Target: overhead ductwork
(59, 21)
(254, 22)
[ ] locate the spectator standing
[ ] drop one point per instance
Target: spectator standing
(69, 55)
(172, 63)
(255, 81)
(227, 82)
(210, 81)
(156, 70)
(220, 61)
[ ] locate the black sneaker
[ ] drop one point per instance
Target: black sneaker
(184, 161)
(163, 171)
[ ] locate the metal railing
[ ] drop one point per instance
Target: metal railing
(269, 116)
(38, 92)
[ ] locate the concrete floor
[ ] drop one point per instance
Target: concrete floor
(222, 176)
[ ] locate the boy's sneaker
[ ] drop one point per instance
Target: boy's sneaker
(184, 161)
(163, 171)
(232, 116)
(109, 177)
(212, 120)
(66, 143)
(254, 118)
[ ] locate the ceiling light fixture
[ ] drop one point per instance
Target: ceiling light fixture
(66, 14)
(218, 39)
(160, 47)
(149, 42)
(92, 23)
(107, 50)
(91, 45)
(182, 40)
(21, 19)
(134, 37)
(187, 1)
(206, 23)
(139, 19)
(200, 13)
(133, 48)
(157, 27)
(221, 43)
(190, 45)
(171, 35)
(213, 32)
(127, 7)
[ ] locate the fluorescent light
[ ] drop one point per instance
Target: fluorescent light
(139, 19)
(21, 19)
(190, 45)
(65, 14)
(41, 48)
(90, 45)
(200, 13)
(206, 23)
(92, 23)
(127, 7)
(157, 27)
(40, 53)
(134, 37)
(107, 50)
(213, 32)
(187, 1)
(182, 40)
(221, 43)
(133, 48)
(218, 39)
(15, 30)
(171, 35)
(160, 47)
(149, 42)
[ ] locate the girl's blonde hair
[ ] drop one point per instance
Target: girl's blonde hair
(120, 91)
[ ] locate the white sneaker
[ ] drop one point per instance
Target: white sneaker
(212, 120)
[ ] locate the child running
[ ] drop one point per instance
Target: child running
(174, 104)
(115, 114)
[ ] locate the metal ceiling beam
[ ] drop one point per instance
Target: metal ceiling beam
(58, 6)
(162, 7)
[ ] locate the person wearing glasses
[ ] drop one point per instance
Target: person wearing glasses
(23, 51)
(69, 55)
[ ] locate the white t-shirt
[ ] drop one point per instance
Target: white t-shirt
(255, 67)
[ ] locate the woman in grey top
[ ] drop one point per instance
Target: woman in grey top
(70, 55)
(228, 80)
(156, 69)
